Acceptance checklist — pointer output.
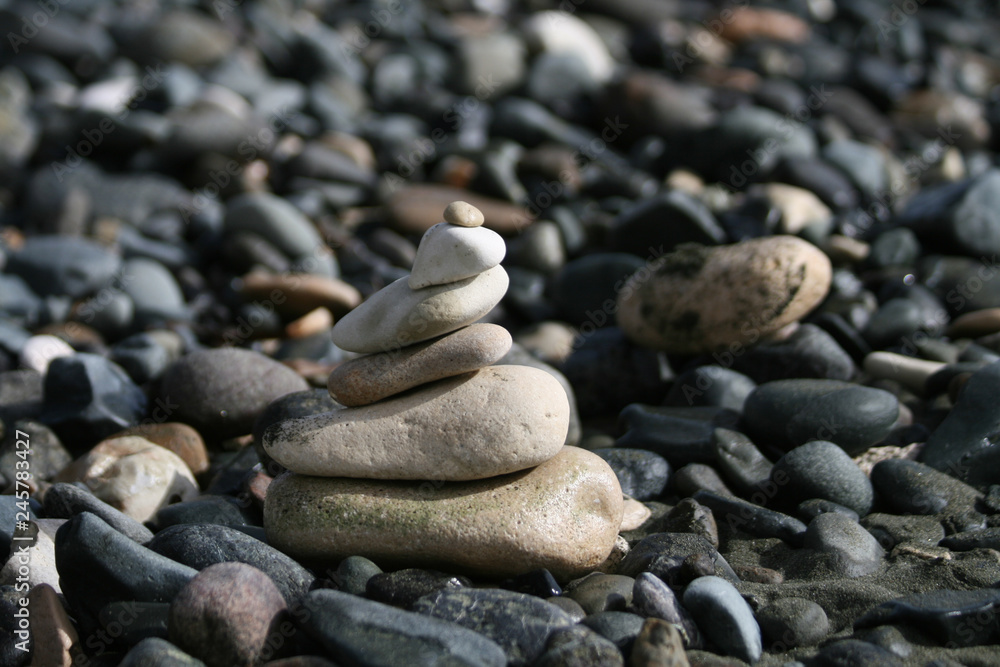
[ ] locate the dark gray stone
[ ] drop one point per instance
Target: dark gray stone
(987, 538)
(740, 460)
(519, 623)
(680, 435)
(620, 627)
(851, 550)
(812, 508)
(960, 218)
(663, 554)
(46, 457)
(209, 509)
(404, 587)
(154, 292)
(599, 592)
(893, 529)
(712, 386)
(65, 501)
(357, 631)
(909, 487)
(641, 473)
(810, 352)
(790, 622)
(849, 652)
(157, 652)
(84, 266)
(353, 573)
(141, 356)
(950, 617)
(651, 597)
(201, 545)
(821, 469)
(585, 290)
(579, 646)
(789, 413)
(748, 517)
(88, 398)
(657, 225)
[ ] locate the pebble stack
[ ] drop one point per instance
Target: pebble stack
(440, 457)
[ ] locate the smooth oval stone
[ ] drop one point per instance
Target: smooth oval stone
(64, 501)
(353, 573)
(357, 631)
(84, 265)
(792, 621)
(893, 529)
(789, 413)
(281, 224)
(133, 475)
(810, 352)
(463, 214)
(208, 509)
(739, 514)
(641, 473)
(858, 652)
(562, 515)
(821, 469)
(954, 618)
(659, 224)
(179, 438)
(373, 377)
(681, 435)
(154, 292)
(98, 565)
(142, 357)
(740, 461)
(724, 617)
(701, 299)
(225, 614)
(964, 445)
(449, 253)
(914, 488)
(599, 592)
(663, 553)
(221, 391)
(576, 645)
(519, 623)
(621, 627)
(852, 551)
(959, 217)
(88, 398)
(397, 316)
(987, 538)
(201, 545)
(294, 295)
(499, 419)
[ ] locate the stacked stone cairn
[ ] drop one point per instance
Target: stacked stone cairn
(439, 458)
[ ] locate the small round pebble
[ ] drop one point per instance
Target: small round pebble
(792, 621)
(463, 214)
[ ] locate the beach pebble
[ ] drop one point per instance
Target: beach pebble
(133, 475)
(910, 487)
(154, 650)
(353, 573)
(220, 392)
(463, 214)
(37, 555)
(38, 351)
(716, 386)
(65, 501)
(821, 469)
(181, 439)
(641, 473)
(658, 643)
(359, 631)
(416, 208)
(850, 549)
(948, 616)
(724, 617)
(402, 588)
(700, 299)
(737, 514)
(226, 614)
(449, 253)
(373, 377)
(789, 413)
(790, 622)
(397, 316)
(601, 592)
(84, 266)
(201, 545)
(54, 638)
(500, 419)
(738, 458)
(652, 598)
(579, 644)
(521, 624)
(499, 526)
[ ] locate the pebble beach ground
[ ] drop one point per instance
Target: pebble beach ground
(601, 332)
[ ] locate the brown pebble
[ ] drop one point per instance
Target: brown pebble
(181, 439)
(417, 208)
(747, 23)
(313, 322)
(975, 324)
(226, 614)
(659, 644)
(758, 574)
(690, 516)
(296, 294)
(56, 643)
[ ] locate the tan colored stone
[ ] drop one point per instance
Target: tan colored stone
(490, 422)
(746, 23)
(635, 514)
(703, 299)
(463, 214)
(296, 294)
(976, 324)
(659, 644)
(133, 475)
(910, 372)
(39, 555)
(313, 322)
(417, 208)
(56, 643)
(550, 341)
(181, 439)
(373, 377)
(562, 515)
(397, 316)
(799, 207)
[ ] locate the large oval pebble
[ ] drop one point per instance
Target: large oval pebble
(562, 515)
(701, 299)
(497, 420)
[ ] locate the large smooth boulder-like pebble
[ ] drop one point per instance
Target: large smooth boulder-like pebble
(562, 515)
(397, 316)
(724, 617)
(221, 391)
(705, 299)
(226, 614)
(357, 631)
(448, 253)
(373, 377)
(497, 420)
(133, 475)
(519, 623)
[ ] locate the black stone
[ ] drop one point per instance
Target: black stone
(65, 501)
(909, 487)
(750, 518)
(402, 588)
(680, 435)
(663, 554)
(585, 291)
(821, 469)
(539, 583)
(158, 652)
(657, 225)
(713, 386)
(738, 458)
(810, 352)
(580, 646)
(621, 627)
(961, 218)
(84, 265)
(219, 510)
(641, 473)
(950, 617)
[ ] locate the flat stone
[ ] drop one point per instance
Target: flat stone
(448, 253)
(740, 461)
(500, 419)
(84, 265)
(724, 617)
(64, 501)
(221, 391)
(133, 475)
(951, 617)
(562, 515)
(751, 518)
(601, 592)
(397, 316)
(519, 623)
(701, 299)
(463, 214)
(976, 324)
(293, 294)
(373, 377)
(910, 372)
(226, 614)
(909, 487)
